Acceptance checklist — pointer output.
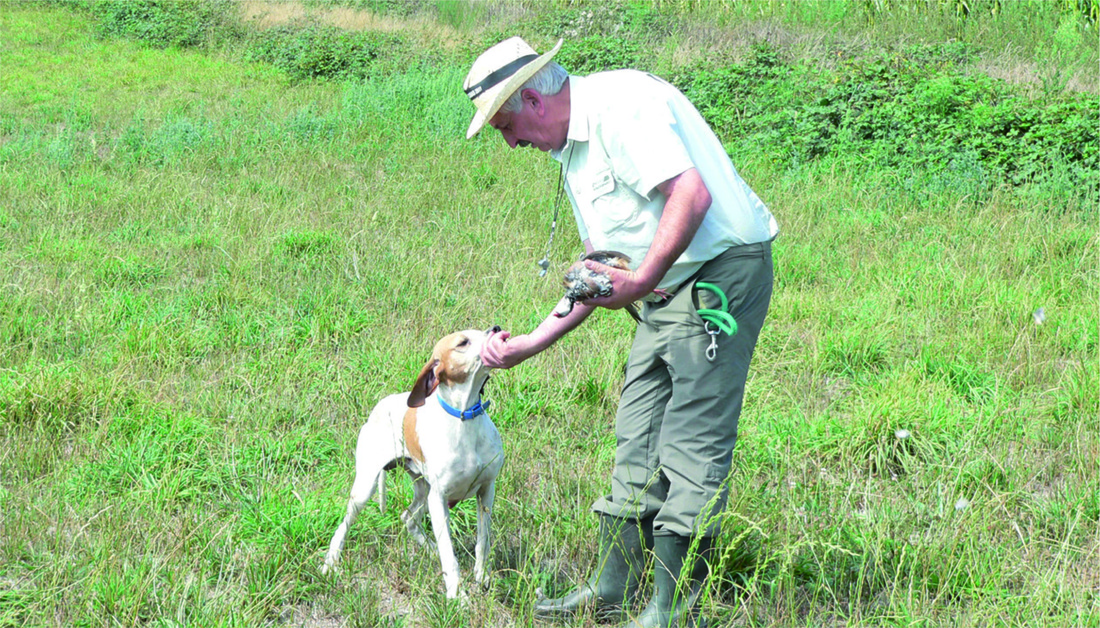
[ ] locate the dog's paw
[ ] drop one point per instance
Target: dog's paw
(463, 599)
(485, 581)
(458, 595)
(329, 568)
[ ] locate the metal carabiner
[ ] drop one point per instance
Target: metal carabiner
(712, 350)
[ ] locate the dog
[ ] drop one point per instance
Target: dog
(445, 441)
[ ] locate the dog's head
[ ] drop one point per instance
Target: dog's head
(455, 361)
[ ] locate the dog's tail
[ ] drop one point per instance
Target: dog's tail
(381, 490)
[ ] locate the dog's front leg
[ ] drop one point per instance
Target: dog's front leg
(484, 519)
(437, 508)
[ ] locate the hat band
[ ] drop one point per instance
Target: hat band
(500, 75)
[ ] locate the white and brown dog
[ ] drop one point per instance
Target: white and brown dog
(445, 441)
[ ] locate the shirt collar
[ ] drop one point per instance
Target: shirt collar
(578, 116)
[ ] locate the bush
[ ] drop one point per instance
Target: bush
(595, 54)
(910, 111)
(164, 23)
(308, 51)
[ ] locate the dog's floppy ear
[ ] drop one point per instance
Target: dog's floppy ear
(425, 384)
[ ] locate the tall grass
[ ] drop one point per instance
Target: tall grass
(211, 273)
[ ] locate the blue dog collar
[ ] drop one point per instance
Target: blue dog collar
(477, 410)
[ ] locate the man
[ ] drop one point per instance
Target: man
(647, 177)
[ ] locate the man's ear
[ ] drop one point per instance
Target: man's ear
(533, 99)
(425, 384)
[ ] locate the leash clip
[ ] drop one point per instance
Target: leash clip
(716, 321)
(712, 350)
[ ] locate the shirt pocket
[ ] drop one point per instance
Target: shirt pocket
(613, 204)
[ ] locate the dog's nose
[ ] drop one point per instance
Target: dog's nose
(494, 329)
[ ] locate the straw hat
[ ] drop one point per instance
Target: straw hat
(497, 73)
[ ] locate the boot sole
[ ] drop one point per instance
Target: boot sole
(600, 614)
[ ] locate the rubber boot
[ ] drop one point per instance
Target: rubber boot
(675, 606)
(614, 586)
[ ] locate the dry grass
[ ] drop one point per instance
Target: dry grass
(1018, 71)
(264, 15)
(697, 37)
(703, 39)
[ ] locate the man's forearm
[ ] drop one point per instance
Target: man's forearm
(687, 202)
(553, 328)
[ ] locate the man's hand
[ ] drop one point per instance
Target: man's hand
(501, 351)
(627, 286)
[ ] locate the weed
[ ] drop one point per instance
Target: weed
(974, 384)
(855, 354)
(306, 244)
(130, 271)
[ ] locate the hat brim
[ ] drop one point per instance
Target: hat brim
(488, 103)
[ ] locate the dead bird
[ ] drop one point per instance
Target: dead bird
(581, 283)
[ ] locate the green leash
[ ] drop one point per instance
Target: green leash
(720, 318)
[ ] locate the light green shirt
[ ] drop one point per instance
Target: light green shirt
(630, 131)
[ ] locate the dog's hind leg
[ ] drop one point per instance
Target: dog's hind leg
(361, 491)
(413, 517)
(380, 490)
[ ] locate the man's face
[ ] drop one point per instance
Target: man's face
(526, 127)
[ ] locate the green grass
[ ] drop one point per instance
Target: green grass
(210, 273)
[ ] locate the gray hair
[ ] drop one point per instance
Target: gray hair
(547, 81)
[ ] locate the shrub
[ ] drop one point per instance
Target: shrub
(911, 111)
(164, 23)
(307, 51)
(595, 54)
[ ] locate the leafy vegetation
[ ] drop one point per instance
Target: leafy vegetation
(909, 112)
(164, 23)
(310, 51)
(917, 110)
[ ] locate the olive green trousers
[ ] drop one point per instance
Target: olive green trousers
(677, 420)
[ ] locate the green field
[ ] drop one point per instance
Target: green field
(216, 256)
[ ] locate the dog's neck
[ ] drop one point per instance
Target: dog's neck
(463, 395)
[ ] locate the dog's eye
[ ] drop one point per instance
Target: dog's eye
(465, 342)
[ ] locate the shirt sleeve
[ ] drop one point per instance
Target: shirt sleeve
(643, 145)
